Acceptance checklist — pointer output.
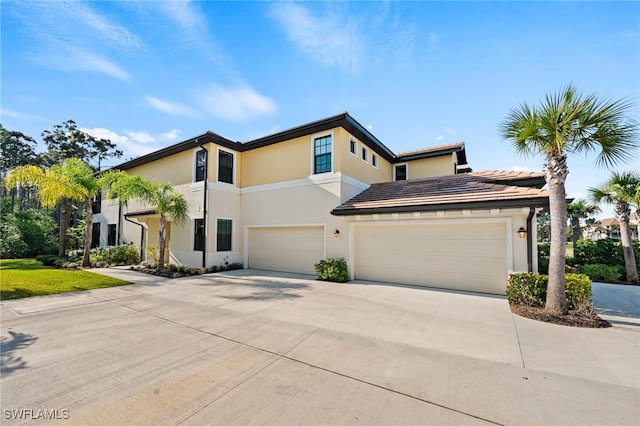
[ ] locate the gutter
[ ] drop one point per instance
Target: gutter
(204, 205)
(532, 212)
(141, 235)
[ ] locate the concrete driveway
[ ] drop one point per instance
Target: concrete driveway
(253, 347)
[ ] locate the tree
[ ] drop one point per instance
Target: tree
(621, 190)
(72, 180)
(16, 149)
(67, 141)
(577, 210)
(162, 196)
(568, 122)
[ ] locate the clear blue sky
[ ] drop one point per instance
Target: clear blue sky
(149, 74)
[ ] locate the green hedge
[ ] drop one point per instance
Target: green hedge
(332, 269)
(531, 289)
(600, 272)
(603, 252)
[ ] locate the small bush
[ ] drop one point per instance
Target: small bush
(50, 259)
(119, 255)
(531, 289)
(332, 269)
(600, 272)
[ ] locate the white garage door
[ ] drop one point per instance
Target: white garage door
(287, 249)
(463, 256)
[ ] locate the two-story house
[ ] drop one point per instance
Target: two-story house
(330, 188)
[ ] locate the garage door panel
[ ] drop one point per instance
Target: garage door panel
(288, 249)
(469, 256)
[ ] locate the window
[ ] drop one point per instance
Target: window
(352, 147)
(401, 172)
(201, 163)
(112, 236)
(223, 242)
(364, 154)
(322, 155)
(374, 160)
(97, 203)
(198, 234)
(225, 167)
(95, 235)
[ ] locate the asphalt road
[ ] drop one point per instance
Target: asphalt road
(616, 300)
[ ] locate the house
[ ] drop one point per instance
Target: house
(330, 188)
(609, 228)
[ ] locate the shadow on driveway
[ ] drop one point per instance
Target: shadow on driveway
(9, 362)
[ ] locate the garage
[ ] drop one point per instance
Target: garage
(470, 256)
(287, 248)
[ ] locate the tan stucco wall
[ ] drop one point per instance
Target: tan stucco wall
(353, 165)
(434, 166)
(276, 163)
(176, 169)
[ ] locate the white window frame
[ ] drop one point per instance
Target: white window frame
(364, 154)
(374, 160)
(312, 150)
(355, 147)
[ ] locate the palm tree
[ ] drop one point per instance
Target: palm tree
(622, 190)
(568, 122)
(162, 196)
(71, 180)
(576, 210)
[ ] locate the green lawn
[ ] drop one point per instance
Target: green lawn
(27, 277)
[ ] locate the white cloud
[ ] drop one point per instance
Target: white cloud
(331, 40)
(171, 135)
(520, 169)
(141, 137)
(88, 61)
(235, 104)
(170, 108)
(439, 138)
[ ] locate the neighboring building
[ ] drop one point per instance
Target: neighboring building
(331, 189)
(608, 228)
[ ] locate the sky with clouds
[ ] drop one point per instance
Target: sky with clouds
(148, 74)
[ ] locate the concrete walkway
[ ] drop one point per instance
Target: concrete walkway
(253, 347)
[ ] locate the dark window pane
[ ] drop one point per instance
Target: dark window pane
(95, 235)
(352, 146)
(112, 236)
(224, 235)
(401, 172)
(225, 167)
(322, 155)
(198, 240)
(201, 163)
(97, 203)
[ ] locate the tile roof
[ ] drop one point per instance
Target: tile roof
(468, 190)
(432, 149)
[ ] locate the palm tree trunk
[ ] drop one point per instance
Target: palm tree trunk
(575, 231)
(64, 215)
(623, 211)
(162, 239)
(556, 172)
(88, 236)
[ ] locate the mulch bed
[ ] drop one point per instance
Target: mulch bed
(571, 318)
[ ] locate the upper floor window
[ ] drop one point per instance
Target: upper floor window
(352, 147)
(96, 204)
(322, 155)
(225, 167)
(201, 163)
(400, 172)
(374, 160)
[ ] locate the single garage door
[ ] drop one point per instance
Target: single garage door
(287, 249)
(464, 256)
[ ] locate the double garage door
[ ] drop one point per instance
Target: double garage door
(460, 256)
(287, 248)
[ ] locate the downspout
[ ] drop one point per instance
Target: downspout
(204, 205)
(141, 236)
(532, 212)
(119, 224)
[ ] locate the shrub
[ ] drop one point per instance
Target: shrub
(531, 289)
(600, 272)
(605, 252)
(50, 259)
(120, 255)
(332, 269)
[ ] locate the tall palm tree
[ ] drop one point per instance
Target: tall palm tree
(622, 190)
(162, 196)
(71, 180)
(576, 210)
(568, 122)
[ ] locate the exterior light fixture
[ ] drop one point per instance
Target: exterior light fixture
(522, 233)
(336, 233)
